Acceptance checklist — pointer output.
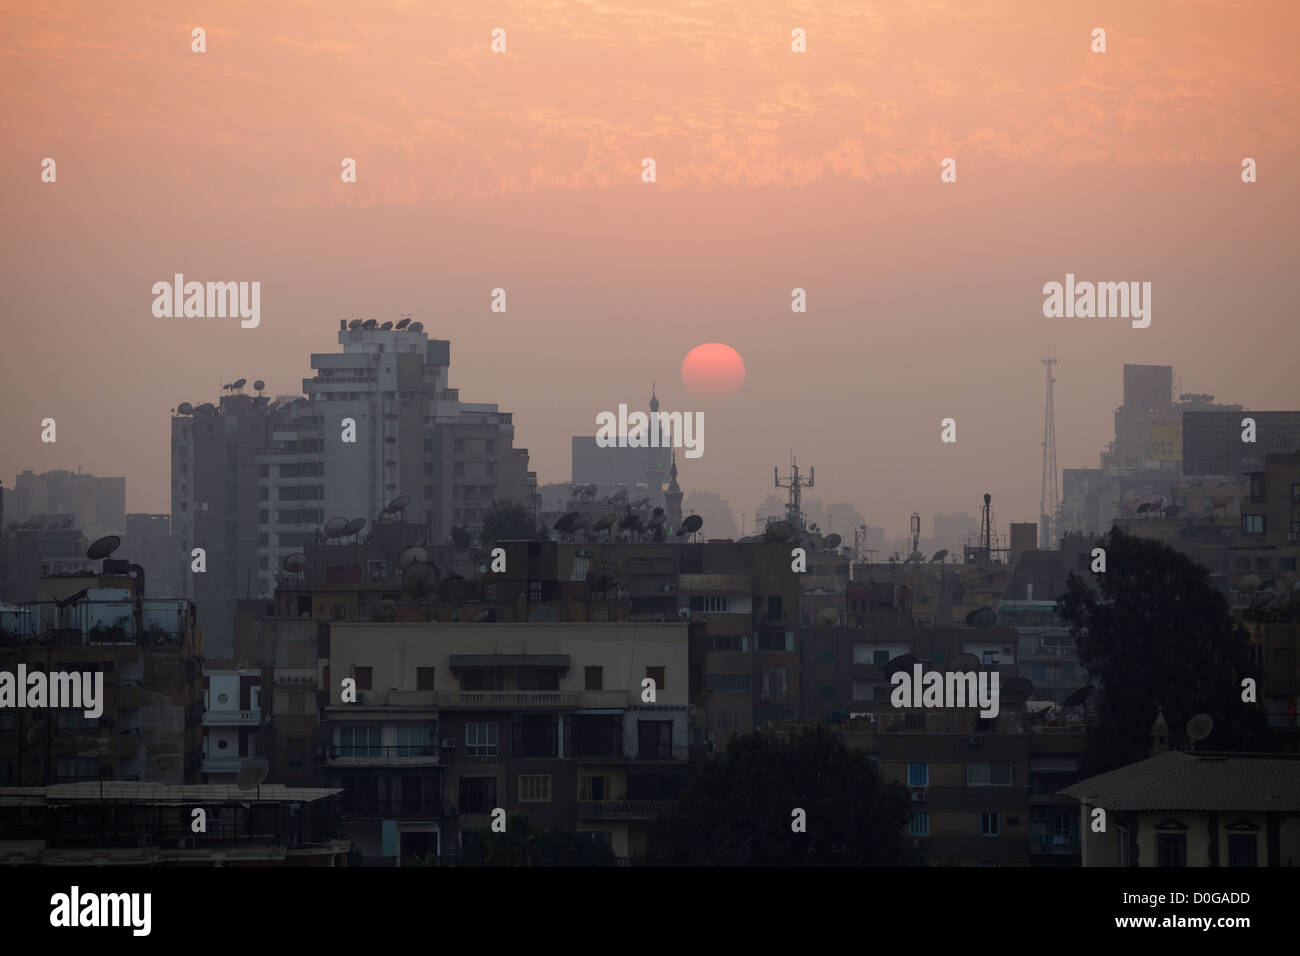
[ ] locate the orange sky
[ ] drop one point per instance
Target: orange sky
(775, 170)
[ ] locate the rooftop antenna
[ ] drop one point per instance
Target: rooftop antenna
(1051, 497)
(251, 775)
(795, 484)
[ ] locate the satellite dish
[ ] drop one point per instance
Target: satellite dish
(590, 489)
(778, 531)
(252, 773)
(397, 504)
(982, 617)
(486, 616)
(410, 556)
(620, 495)
(939, 556)
(386, 327)
(207, 408)
(828, 617)
(295, 562)
(369, 324)
(692, 524)
(580, 522)
(657, 521)
(1144, 507)
(903, 662)
(354, 324)
(964, 662)
(239, 383)
(352, 527)
(604, 576)
(259, 385)
(185, 408)
(419, 579)
(338, 613)
(415, 327)
(1200, 726)
(1077, 698)
(543, 614)
(334, 527)
(104, 547)
(402, 324)
(564, 524)
(833, 541)
(1016, 689)
(607, 522)
(1248, 582)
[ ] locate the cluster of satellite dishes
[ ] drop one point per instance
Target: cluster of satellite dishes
(207, 408)
(48, 522)
(370, 325)
(629, 526)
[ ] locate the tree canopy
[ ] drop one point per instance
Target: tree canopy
(739, 809)
(521, 845)
(1159, 635)
(509, 521)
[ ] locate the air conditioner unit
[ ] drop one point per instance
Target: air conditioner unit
(918, 796)
(670, 589)
(975, 740)
(452, 810)
(189, 843)
(448, 743)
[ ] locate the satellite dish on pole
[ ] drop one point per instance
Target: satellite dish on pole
(295, 563)
(1077, 698)
(604, 577)
(104, 547)
(691, 524)
(334, 527)
(419, 579)
(352, 527)
(832, 541)
(185, 408)
(259, 385)
(778, 531)
(1199, 726)
(939, 556)
(565, 524)
(605, 523)
(252, 773)
(410, 556)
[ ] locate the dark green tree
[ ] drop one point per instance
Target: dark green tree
(738, 810)
(460, 537)
(1159, 635)
(521, 845)
(509, 521)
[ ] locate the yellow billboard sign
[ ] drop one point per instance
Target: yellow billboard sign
(1167, 442)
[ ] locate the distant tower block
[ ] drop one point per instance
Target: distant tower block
(1051, 494)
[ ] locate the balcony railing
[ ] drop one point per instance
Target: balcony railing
(357, 805)
(484, 699)
(663, 752)
(360, 754)
(227, 718)
(623, 809)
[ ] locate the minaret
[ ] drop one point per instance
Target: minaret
(654, 475)
(673, 497)
(1159, 735)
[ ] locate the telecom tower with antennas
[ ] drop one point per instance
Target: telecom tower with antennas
(1048, 507)
(795, 484)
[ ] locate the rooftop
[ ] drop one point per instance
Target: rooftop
(1197, 781)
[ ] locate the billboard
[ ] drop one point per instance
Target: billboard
(1167, 442)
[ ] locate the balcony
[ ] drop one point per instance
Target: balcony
(663, 752)
(300, 677)
(413, 698)
(232, 718)
(223, 764)
(503, 699)
(623, 809)
(357, 805)
(395, 756)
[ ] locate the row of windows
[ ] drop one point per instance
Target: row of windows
(979, 773)
(989, 824)
(493, 678)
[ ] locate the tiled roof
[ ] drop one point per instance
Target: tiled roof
(1197, 781)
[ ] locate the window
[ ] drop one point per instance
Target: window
(918, 775)
(728, 642)
(6, 771)
(826, 692)
(535, 736)
(984, 774)
(1252, 524)
(880, 658)
(1286, 564)
(1243, 849)
(535, 788)
(774, 683)
(74, 722)
(919, 825)
(424, 678)
(990, 658)
(990, 823)
(1263, 564)
(416, 740)
(776, 641)
(537, 678)
(594, 678)
(914, 721)
(724, 722)
(297, 702)
(1171, 849)
(591, 788)
(731, 683)
(708, 605)
(656, 674)
(482, 678)
(361, 740)
(655, 739)
(774, 608)
(364, 676)
(481, 739)
(826, 657)
(595, 735)
(8, 724)
(478, 794)
(76, 768)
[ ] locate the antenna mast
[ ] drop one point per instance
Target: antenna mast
(1048, 507)
(795, 484)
